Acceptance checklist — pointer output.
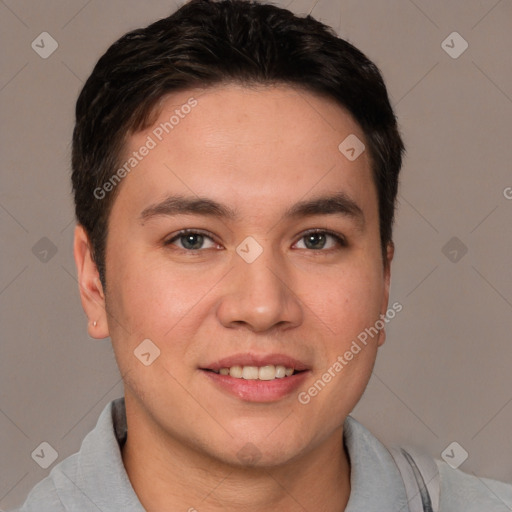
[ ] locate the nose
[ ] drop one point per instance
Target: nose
(259, 296)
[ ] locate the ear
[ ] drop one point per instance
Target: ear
(390, 251)
(91, 289)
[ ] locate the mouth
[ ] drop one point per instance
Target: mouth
(257, 378)
(267, 372)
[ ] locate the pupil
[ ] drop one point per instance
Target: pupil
(319, 238)
(190, 239)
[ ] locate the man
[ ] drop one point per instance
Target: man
(235, 170)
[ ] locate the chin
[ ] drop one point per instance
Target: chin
(266, 450)
(252, 456)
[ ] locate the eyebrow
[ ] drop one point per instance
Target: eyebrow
(180, 205)
(335, 204)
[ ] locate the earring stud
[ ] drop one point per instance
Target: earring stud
(94, 323)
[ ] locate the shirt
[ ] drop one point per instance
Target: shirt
(94, 479)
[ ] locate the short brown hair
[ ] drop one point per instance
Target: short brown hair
(206, 43)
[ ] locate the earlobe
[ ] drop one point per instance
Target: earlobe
(90, 287)
(382, 337)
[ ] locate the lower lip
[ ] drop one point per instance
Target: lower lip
(258, 390)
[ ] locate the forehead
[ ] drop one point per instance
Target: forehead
(246, 145)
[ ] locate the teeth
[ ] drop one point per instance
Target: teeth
(280, 372)
(269, 372)
(236, 371)
(250, 372)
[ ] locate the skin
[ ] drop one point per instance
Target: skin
(259, 151)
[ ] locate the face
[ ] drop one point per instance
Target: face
(243, 242)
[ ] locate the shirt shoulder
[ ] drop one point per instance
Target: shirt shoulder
(44, 496)
(461, 491)
(92, 479)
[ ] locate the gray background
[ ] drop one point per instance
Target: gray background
(444, 373)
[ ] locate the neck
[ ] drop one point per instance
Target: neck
(166, 474)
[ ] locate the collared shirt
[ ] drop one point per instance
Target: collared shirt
(95, 480)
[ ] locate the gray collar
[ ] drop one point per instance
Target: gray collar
(101, 476)
(376, 485)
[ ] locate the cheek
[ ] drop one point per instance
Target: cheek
(148, 301)
(348, 302)
(153, 298)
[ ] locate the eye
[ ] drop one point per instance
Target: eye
(190, 240)
(318, 240)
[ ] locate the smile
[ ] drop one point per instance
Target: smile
(268, 372)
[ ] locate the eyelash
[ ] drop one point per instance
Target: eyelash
(339, 239)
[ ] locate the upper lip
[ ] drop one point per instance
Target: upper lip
(246, 359)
